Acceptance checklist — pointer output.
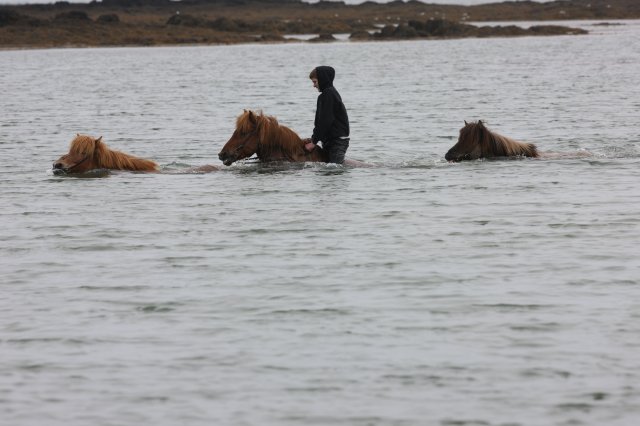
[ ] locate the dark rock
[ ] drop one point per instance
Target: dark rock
(323, 4)
(271, 37)
(444, 28)
(360, 35)
(500, 31)
(402, 31)
(323, 38)
(405, 31)
(607, 24)
(556, 30)
(386, 32)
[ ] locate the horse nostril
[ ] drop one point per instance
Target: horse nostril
(57, 165)
(222, 156)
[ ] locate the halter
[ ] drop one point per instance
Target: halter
(86, 157)
(246, 140)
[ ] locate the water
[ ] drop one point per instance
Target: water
(415, 293)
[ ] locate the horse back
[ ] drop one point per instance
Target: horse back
(532, 150)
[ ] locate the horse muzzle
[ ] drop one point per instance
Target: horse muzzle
(59, 169)
(456, 157)
(226, 159)
(449, 156)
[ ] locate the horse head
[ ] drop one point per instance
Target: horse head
(81, 155)
(476, 141)
(87, 153)
(244, 141)
(469, 145)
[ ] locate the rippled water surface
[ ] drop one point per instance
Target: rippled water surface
(415, 293)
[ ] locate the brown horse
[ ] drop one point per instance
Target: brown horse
(476, 141)
(262, 135)
(87, 153)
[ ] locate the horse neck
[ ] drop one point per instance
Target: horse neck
(490, 144)
(497, 145)
(278, 143)
(508, 147)
(119, 160)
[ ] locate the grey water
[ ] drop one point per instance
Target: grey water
(418, 292)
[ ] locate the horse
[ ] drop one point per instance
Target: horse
(262, 135)
(476, 141)
(88, 153)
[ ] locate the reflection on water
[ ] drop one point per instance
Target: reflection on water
(486, 292)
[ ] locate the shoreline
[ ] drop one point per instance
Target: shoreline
(143, 23)
(247, 43)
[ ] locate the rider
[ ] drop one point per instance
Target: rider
(331, 122)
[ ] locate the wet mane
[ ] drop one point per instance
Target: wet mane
(476, 141)
(106, 158)
(272, 136)
(497, 145)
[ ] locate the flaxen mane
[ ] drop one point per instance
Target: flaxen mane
(105, 158)
(476, 141)
(496, 145)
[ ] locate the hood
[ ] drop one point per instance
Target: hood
(325, 76)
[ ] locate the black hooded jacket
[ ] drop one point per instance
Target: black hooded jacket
(331, 120)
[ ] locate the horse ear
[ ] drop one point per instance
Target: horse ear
(99, 139)
(252, 116)
(465, 122)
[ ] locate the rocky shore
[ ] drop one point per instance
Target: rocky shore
(167, 22)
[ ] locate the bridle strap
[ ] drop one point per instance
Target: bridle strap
(86, 157)
(246, 140)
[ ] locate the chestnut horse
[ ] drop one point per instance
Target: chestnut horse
(87, 153)
(262, 135)
(476, 141)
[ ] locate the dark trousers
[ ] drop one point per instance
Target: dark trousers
(336, 149)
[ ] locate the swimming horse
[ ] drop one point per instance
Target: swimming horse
(88, 153)
(262, 135)
(476, 141)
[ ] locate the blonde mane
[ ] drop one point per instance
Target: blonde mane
(496, 145)
(106, 158)
(476, 141)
